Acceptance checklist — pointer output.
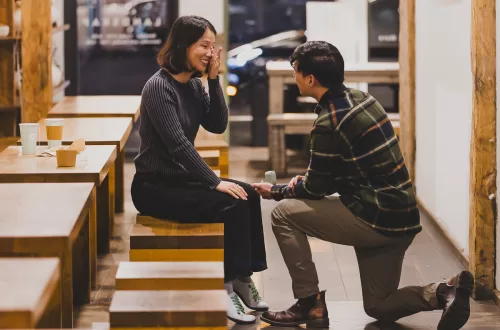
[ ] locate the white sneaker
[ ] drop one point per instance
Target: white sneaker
(236, 312)
(250, 296)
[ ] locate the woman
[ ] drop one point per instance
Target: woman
(172, 180)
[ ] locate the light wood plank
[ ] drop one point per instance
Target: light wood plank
(98, 106)
(29, 286)
(406, 129)
(170, 276)
(205, 308)
(483, 148)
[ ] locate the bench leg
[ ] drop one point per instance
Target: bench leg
(67, 288)
(119, 180)
(92, 219)
(277, 150)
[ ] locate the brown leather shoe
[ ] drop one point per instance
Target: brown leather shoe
(454, 297)
(311, 310)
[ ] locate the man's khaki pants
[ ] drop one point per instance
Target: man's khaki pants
(380, 258)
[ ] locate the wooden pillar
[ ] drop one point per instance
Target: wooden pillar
(483, 148)
(407, 82)
(36, 52)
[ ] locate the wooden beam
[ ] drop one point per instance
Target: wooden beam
(483, 148)
(36, 47)
(407, 82)
(7, 63)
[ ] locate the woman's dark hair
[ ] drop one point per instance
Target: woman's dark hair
(322, 60)
(186, 31)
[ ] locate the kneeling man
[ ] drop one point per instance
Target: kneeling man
(355, 153)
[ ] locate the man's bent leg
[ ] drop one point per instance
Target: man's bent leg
(380, 272)
(327, 219)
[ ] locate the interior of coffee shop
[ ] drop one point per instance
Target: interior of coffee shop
(75, 126)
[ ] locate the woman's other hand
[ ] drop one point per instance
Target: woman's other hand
(232, 189)
(214, 64)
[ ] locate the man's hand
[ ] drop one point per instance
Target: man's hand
(263, 189)
(296, 179)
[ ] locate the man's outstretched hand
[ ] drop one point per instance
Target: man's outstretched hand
(263, 189)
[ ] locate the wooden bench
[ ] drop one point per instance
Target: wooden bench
(53, 220)
(97, 106)
(210, 141)
(281, 124)
(95, 164)
(153, 239)
(170, 276)
(211, 157)
(30, 293)
(198, 309)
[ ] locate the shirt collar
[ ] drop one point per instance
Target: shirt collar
(331, 94)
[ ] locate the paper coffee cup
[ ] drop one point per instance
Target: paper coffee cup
(54, 128)
(29, 138)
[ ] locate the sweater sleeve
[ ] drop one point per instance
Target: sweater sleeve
(160, 104)
(216, 115)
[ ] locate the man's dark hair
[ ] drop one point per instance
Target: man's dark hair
(186, 31)
(322, 60)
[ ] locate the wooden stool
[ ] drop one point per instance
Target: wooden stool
(169, 309)
(170, 276)
(153, 239)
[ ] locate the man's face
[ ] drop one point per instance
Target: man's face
(301, 81)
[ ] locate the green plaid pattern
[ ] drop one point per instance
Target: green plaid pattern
(355, 152)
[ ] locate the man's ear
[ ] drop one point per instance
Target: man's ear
(311, 81)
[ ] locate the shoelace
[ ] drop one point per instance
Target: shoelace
(255, 294)
(237, 304)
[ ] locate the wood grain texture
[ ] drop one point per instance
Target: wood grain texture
(97, 106)
(407, 83)
(28, 286)
(170, 276)
(179, 236)
(36, 52)
(168, 308)
(483, 148)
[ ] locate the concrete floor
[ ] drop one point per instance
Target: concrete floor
(428, 260)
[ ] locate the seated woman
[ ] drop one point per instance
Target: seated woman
(172, 181)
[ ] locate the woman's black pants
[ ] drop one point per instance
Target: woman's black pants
(186, 201)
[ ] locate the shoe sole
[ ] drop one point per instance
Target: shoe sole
(323, 323)
(257, 309)
(458, 313)
(240, 321)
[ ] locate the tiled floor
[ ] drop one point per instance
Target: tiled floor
(427, 260)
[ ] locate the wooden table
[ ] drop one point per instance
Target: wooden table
(97, 106)
(99, 131)
(281, 73)
(30, 293)
(95, 164)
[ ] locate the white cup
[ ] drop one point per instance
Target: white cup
(54, 127)
(29, 138)
(4, 30)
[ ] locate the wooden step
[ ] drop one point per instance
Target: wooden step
(168, 309)
(170, 276)
(153, 239)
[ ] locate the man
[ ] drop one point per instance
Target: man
(355, 153)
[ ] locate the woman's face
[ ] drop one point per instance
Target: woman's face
(200, 53)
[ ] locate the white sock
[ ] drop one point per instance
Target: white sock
(228, 286)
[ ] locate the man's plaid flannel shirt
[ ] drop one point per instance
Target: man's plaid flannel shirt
(355, 153)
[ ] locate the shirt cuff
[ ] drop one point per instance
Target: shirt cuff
(277, 192)
(213, 183)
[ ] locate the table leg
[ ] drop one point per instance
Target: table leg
(119, 180)
(92, 217)
(105, 211)
(67, 288)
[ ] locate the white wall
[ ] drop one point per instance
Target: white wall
(329, 21)
(444, 113)
(213, 10)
